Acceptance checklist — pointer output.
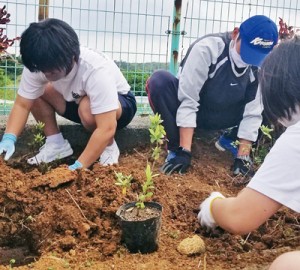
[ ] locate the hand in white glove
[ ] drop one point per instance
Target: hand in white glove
(205, 216)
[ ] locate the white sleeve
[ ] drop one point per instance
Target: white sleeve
(32, 84)
(193, 76)
(102, 90)
(252, 119)
(279, 175)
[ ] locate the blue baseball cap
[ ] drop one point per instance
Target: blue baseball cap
(259, 34)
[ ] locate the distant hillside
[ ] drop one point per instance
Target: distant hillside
(138, 73)
(135, 73)
(146, 67)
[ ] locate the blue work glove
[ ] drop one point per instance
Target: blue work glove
(7, 145)
(179, 163)
(243, 165)
(75, 166)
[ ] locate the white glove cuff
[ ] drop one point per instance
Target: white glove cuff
(205, 216)
(215, 196)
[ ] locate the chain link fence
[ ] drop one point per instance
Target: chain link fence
(138, 34)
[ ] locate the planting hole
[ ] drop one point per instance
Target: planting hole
(17, 256)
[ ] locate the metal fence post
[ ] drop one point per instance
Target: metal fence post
(43, 9)
(175, 37)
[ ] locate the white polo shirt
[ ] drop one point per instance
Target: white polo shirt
(95, 75)
(279, 175)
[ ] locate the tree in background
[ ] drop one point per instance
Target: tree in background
(137, 81)
(285, 31)
(5, 42)
(8, 71)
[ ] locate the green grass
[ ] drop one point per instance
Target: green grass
(143, 109)
(7, 93)
(5, 109)
(7, 96)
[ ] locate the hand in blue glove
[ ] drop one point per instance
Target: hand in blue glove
(179, 163)
(7, 145)
(243, 165)
(75, 166)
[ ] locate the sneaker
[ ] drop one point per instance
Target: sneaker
(171, 154)
(110, 155)
(224, 144)
(51, 151)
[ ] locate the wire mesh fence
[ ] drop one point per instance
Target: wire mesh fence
(137, 34)
(205, 16)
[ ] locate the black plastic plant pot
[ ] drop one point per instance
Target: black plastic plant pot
(140, 228)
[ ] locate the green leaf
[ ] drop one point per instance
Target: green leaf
(140, 205)
(266, 131)
(149, 195)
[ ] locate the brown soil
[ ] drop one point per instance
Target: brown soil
(67, 220)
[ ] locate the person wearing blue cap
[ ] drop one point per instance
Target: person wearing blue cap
(276, 183)
(216, 88)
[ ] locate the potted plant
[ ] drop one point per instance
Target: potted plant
(140, 221)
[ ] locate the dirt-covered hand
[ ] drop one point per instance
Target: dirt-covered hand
(75, 166)
(179, 163)
(205, 216)
(7, 145)
(242, 165)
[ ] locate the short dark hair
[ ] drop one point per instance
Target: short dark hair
(280, 80)
(48, 45)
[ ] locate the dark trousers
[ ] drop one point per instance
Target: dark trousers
(128, 104)
(162, 89)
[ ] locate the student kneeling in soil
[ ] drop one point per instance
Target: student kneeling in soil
(215, 89)
(277, 182)
(79, 84)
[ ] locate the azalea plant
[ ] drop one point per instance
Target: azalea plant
(285, 31)
(263, 145)
(38, 138)
(157, 136)
(124, 181)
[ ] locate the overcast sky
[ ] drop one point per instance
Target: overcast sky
(135, 30)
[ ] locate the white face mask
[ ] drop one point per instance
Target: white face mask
(235, 56)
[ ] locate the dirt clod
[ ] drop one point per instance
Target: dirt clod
(191, 245)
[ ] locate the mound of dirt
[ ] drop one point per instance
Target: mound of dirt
(67, 220)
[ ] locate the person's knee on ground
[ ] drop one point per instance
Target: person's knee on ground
(287, 261)
(157, 86)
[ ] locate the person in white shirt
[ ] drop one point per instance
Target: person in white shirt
(277, 182)
(78, 83)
